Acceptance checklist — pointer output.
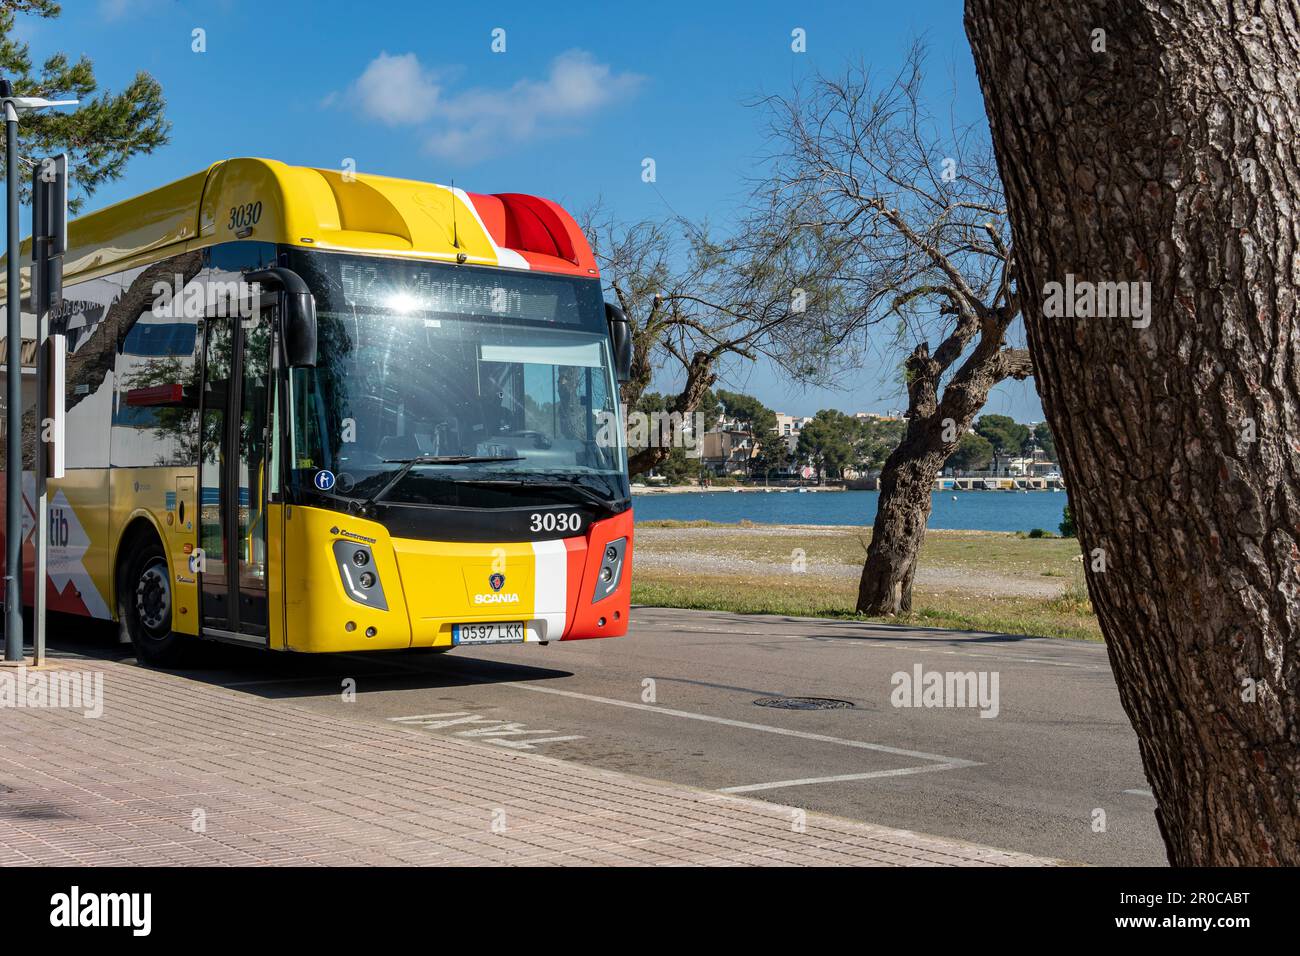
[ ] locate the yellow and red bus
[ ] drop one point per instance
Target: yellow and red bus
(314, 410)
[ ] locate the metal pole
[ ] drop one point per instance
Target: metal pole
(39, 291)
(14, 409)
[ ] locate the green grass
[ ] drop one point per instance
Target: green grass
(1004, 553)
(1008, 615)
(769, 587)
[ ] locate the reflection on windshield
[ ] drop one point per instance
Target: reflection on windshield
(390, 387)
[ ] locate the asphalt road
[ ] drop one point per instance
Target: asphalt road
(1056, 772)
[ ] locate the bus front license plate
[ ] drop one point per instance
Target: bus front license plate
(511, 632)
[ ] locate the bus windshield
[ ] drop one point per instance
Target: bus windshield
(439, 384)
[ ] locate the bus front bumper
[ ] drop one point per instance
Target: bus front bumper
(350, 586)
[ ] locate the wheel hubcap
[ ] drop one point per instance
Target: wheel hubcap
(153, 599)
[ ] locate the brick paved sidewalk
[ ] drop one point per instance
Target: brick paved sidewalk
(275, 784)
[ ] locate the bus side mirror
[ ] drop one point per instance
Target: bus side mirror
(620, 339)
(299, 329)
(298, 322)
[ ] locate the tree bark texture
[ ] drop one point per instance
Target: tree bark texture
(1170, 157)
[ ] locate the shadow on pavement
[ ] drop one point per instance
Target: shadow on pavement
(275, 675)
(865, 629)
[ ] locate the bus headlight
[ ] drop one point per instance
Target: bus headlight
(364, 587)
(611, 570)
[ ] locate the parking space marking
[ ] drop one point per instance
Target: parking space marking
(937, 761)
(1141, 793)
(844, 777)
(949, 762)
(528, 744)
(490, 730)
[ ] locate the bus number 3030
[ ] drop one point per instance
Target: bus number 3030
(551, 521)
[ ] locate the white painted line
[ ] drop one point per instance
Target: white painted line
(488, 729)
(746, 725)
(439, 721)
(902, 772)
(415, 717)
(1141, 793)
(528, 744)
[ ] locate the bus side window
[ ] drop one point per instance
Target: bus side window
(154, 414)
(216, 391)
(88, 396)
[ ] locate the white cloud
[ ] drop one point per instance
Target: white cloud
(476, 123)
(396, 90)
(117, 9)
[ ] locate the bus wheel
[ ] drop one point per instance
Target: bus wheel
(145, 607)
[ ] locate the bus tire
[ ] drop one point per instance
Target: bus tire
(145, 606)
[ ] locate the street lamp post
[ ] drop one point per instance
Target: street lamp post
(14, 378)
(14, 401)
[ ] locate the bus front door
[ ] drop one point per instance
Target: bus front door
(236, 430)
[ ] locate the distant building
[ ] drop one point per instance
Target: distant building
(728, 450)
(789, 427)
(1022, 466)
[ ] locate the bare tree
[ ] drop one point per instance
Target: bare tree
(911, 211)
(695, 303)
(1152, 144)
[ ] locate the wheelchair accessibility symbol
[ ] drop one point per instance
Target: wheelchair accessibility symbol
(324, 480)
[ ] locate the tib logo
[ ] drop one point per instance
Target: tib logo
(58, 528)
(497, 581)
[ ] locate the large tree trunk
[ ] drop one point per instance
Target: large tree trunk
(901, 514)
(934, 428)
(1169, 158)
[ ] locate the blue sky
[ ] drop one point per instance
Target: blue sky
(582, 93)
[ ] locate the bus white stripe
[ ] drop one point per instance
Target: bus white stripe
(551, 586)
(505, 257)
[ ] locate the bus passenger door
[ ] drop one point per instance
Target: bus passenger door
(233, 474)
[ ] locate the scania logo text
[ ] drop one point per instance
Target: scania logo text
(496, 598)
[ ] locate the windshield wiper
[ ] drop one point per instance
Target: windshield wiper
(409, 463)
(582, 490)
(449, 459)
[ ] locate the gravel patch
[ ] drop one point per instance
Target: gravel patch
(672, 549)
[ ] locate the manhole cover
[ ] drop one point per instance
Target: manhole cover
(803, 703)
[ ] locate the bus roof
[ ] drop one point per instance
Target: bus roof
(335, 209)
